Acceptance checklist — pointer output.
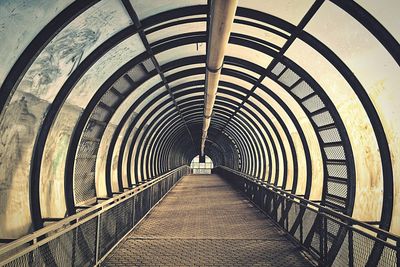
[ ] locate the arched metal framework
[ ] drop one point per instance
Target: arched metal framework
(145, 118)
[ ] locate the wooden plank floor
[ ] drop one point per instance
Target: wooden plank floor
(203, 221)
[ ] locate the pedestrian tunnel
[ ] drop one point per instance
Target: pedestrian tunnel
(102, 112)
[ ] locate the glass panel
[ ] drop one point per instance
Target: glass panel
(375, 68)
(152, 154)
(243, 70)
(15, 15)
(386, 11)
(189, 50)
(100, 174)
(232, 90)
(129, 100)
(252, 55)
(236, 81)
(183, 68)
(23, 117)
(166, 108)
(273, 164)
(176, 30)
(186, 79)
(292, 11)
(311, 138)
(186, 96)
(259, 33)
(254, 163)
(145, 9)
(53, 174)
(369, 184)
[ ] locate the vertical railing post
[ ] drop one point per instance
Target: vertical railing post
(319, 231)
(97, 249)
(282, 212)
(325, 231)
(350, 246)
(287, 204)
(301, 229)
(133, 210)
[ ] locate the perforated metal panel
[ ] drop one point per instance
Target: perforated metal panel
(323, 119)
(148, 64)
(336, 170)
(302, 90)
(110, 98)
(137, 73)
(337, 189)
(313, 104)
(122, 85)
(289, 77)
(330, 135)
(335, 153)
(278, 69)
(100, 114)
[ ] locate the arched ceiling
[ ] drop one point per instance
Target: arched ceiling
(99, 96)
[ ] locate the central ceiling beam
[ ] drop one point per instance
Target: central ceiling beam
(222, 14)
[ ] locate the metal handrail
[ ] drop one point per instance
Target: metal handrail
(351, 222)
(79, 218)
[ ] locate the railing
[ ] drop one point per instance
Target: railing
(86, 238)
(332, 238)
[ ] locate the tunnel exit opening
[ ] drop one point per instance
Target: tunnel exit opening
(199, 167)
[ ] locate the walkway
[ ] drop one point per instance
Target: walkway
(204, 222)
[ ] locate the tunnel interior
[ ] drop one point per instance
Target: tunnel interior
(100, 96)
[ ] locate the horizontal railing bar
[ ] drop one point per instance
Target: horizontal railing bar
(75, 220)
(320, 207)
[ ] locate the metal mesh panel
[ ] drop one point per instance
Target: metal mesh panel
(335, 153)
(308, 221)
(292, 214)
(315, 242)
(279, 210)
(57, 252)
(123, 214)
(278, 69)
(332, 227)
(148, 64)
(107, 231)
(297, 234)
(289, 77)
(388, 258)
(323, 119)
(138, 207)
(302, 90)
(137, 73)
(313, 104)
(100, 114)
(336, 170)
(362, 247)
(85, 243)
(110, 99)
(342, 258)
(87, 148)
(337, 189)
(330, 135)
(78, 246)
(122, 85)
(84, 186)
(93, 130)
(336, 201)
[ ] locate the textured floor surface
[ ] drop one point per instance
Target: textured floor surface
(204, 222)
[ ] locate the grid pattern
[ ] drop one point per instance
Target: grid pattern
(203, 222)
